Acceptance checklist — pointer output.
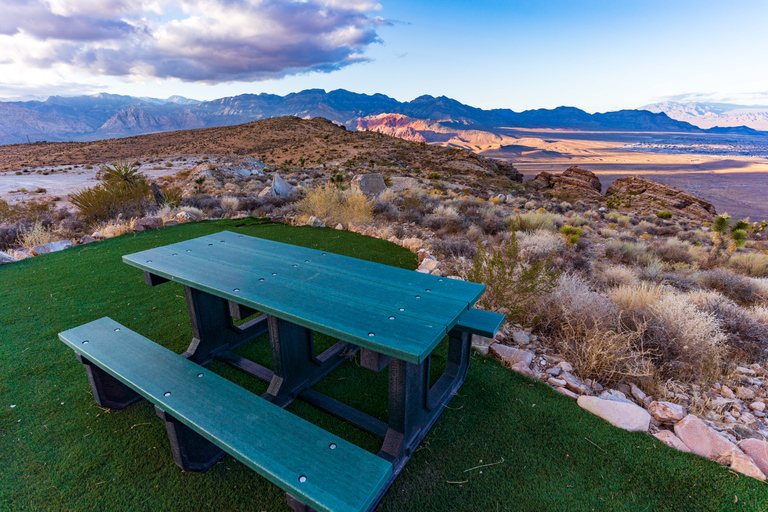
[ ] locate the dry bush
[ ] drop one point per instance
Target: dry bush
(606, 356)
(740, 289)
(762, 286)
(609, 276)
(454, 248)
(628, 253)
(644, 227)
(166, 213)
(37, 234)
(674, 251)
(636, 298)
(759, 313)
(445, 219)
(688, 344)
(753, 264)
(197, 212)
(572, 302)
(747, 335)
(608, 233)
(537, 245)
(115, 227)
(334, 206)
(535, 221)
(387, 196)
(578, 221)
(230, 204)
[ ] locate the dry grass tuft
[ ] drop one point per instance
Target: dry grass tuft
(640, 297)
(753, 264)
(36, 235)
(610, 276)
(537, 245)
(230, 205)
(334, 206)
(535, 221)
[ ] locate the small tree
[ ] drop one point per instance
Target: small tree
(725, 235)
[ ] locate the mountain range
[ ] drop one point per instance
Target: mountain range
(708, 115)
(104, 116)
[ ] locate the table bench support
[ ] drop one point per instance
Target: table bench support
(212, 328)
(191, 451)
(108, 392)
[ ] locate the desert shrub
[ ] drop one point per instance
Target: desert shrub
(197, 212)
(385, 210)
(607, 356)
(674, 251)
(664, 214)
(9, 234)
(644, 227)
(445, 219)
(71, 227)
(230, 204)
(753, 264)
(172, 197)
(334, 206)
(512, 286)
(632, 298)
(112, 198)
(533, 222)
(727, 236)
(538, 245)
(572, 302)
(115, 227)
(28, 212)
(628, 253)
(740, 289)
(687, 343)
(121, 172)
(747, 335)
(166, 213)
(759, 314)
(37, 234)
(608, 233)
(578, 221)
(609, 276)
(449, 247)
(388, 195)
(491, 221)
(653, 268)
(205, 202)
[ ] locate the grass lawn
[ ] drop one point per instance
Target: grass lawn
(504, 443)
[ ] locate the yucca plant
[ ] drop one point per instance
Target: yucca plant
(122, 171)
(724, 234)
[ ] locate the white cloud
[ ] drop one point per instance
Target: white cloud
(208, 41)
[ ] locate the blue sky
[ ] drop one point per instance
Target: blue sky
(595, 55)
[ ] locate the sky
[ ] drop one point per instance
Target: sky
(597, 55)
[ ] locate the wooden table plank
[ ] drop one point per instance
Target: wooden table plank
(383, 330)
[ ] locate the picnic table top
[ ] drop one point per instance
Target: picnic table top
(394, 311)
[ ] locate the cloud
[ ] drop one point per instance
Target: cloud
(209, 41)
(742, 98)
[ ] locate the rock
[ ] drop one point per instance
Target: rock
(666, 411)
(585, 184)
(554, 371)
(400, 183)
(567, 392)
(573, 383)
(185, 217)
(745, 393)
(86, 239)
(53, 247)
(429, 265)
(315, 222)
(171, 223)
(512, 355)
(565, 366)
(670, 439)
(701, 439)
(279, 188)
(243, 166)
(521, 338)
(138, 228)
(7, 258)
(742, 463)
(623, 415)
(638, 393)
(649, 194)
(757, 406)
(23, 253)
(339, 226)
(423, 254)
(557, 383)
(521, 367)
(727, 392)
(616, 396)
(758, 450)
(483, 349)
(369, 184)
(746, 371)
(98, 235)
(149, 223)
(413, 244)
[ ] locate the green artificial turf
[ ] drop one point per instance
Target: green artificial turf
(503, 443)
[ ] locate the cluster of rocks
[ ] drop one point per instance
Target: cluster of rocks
(24, 253)
(732, 432)
(574, 179)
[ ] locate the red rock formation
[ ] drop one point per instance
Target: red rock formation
(644, 192)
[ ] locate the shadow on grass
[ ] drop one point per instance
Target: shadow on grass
(503, 443)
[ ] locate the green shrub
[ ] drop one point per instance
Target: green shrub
(532, 222)
(112, 198)
(512, 286)
(122, 171)
(434, 176)
(172, 197)
(664, 214)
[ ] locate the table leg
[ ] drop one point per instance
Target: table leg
(212, 327)
(107, 390)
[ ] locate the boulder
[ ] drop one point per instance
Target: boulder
(583, 175)
(186, 217)
(523, 368)
(574, 383)
(315, 222)
(171, 223)
(670, 439)
(521, 337)
(585, 184)
(621, 414)
(6, 258)
(758, 450)
(400, 183)
(511, 355)
(745, 393)
(701, 439)
(53, 247)
(149, 223)
(567, 392)
(242, 166)
(666, 411)
(413, 244)
(742, 463)
(279, 188)
(647, 194)
(86, 239)
(369, 184)
(429, 264)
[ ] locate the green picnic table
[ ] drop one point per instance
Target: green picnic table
(394, 317)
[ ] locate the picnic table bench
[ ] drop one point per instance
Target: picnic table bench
(394, 317)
